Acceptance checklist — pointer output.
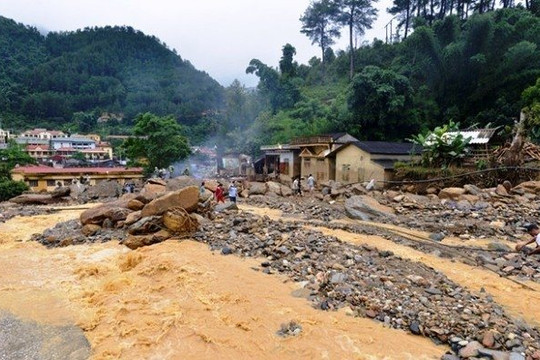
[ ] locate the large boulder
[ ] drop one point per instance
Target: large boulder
(365, 207)
(29, 199)
(136, 241)
(146, 225)
(61, 192)
(97, 214)
(76, 190)
(451, 193)
(531, 187)
(286, 191)
(135, 204)
(179, 221)
(181, 182)
(105, 189)
(186, 198)
(153, 188)
(132, 218)
(257, 188)
(274, 187)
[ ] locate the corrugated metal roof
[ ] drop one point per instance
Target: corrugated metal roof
(480, 136)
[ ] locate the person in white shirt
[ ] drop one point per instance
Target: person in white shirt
(311, 183)
(233, 192)
(534, 231)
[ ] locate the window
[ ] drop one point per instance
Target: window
(32, 183)
(307, 163)
(51, 183)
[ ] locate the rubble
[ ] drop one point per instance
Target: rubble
(334, 275)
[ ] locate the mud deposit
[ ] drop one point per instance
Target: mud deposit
(172, 300)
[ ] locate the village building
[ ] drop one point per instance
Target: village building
(314, 151)
(361, 161)
(45, 178)
(279, 159)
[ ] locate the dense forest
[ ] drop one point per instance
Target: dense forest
(67, 80)
(463, 62)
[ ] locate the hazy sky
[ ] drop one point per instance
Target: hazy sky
(216, 36)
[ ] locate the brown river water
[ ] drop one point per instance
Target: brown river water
(179, 300)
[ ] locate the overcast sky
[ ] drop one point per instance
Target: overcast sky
(216, 36)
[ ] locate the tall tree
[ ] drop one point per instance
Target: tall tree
(357, 15)
(318, 24)
(159, 143)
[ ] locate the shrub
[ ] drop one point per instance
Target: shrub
(10, 189)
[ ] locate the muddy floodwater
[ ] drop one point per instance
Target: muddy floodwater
(173, 300)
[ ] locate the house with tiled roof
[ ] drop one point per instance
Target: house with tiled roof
(41, 178)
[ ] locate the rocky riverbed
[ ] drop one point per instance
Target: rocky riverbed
(365, 280)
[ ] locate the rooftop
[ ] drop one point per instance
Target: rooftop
(41, 169)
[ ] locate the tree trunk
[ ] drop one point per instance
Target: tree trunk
(351, 49)
(514, 155)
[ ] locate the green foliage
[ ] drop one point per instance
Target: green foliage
(10, 189)
(378, 100)
(159, 143)
(442, 148)
(12, 156)
(78, 156)
(119, 70)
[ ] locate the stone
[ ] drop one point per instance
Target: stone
(152, 190)
(61, 192)
(135, 205)
(186, 198)
(472, 189)
(501, 190)
(488, 340)
(146, 225)
(181, 182)
(136, 241)
(90, 229)
(226, 206)
(257, 188)
(364, 207)
(372, 314)
(117, 214)
(274, 187)
(105, 189)
(179, 222)
(493, 354)
(132, 217)
(470, 350)
(37, 199)
(286, 191)
(451, 193)
(415, 328)
(528, 187)
(437, 236)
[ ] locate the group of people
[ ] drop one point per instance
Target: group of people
(219, 194)
(297, 185)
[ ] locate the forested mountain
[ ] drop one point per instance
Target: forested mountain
(61, 78)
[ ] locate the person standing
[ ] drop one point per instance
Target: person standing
(202, 189)
(295, 184)
(233, 193)
(311, 183)
(220, 193)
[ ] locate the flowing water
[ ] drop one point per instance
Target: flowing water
(173, 300)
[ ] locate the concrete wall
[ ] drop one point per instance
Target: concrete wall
(355, 165)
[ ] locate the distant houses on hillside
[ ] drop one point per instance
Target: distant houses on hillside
(52, 146)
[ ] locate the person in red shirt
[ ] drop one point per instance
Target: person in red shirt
(220, 193)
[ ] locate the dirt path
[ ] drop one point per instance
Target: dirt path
(519, 301)
(179, 300)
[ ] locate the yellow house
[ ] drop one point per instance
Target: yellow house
(361, 161)
(315, 151)
(45, 178)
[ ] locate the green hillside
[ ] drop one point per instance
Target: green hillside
(48, 79)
